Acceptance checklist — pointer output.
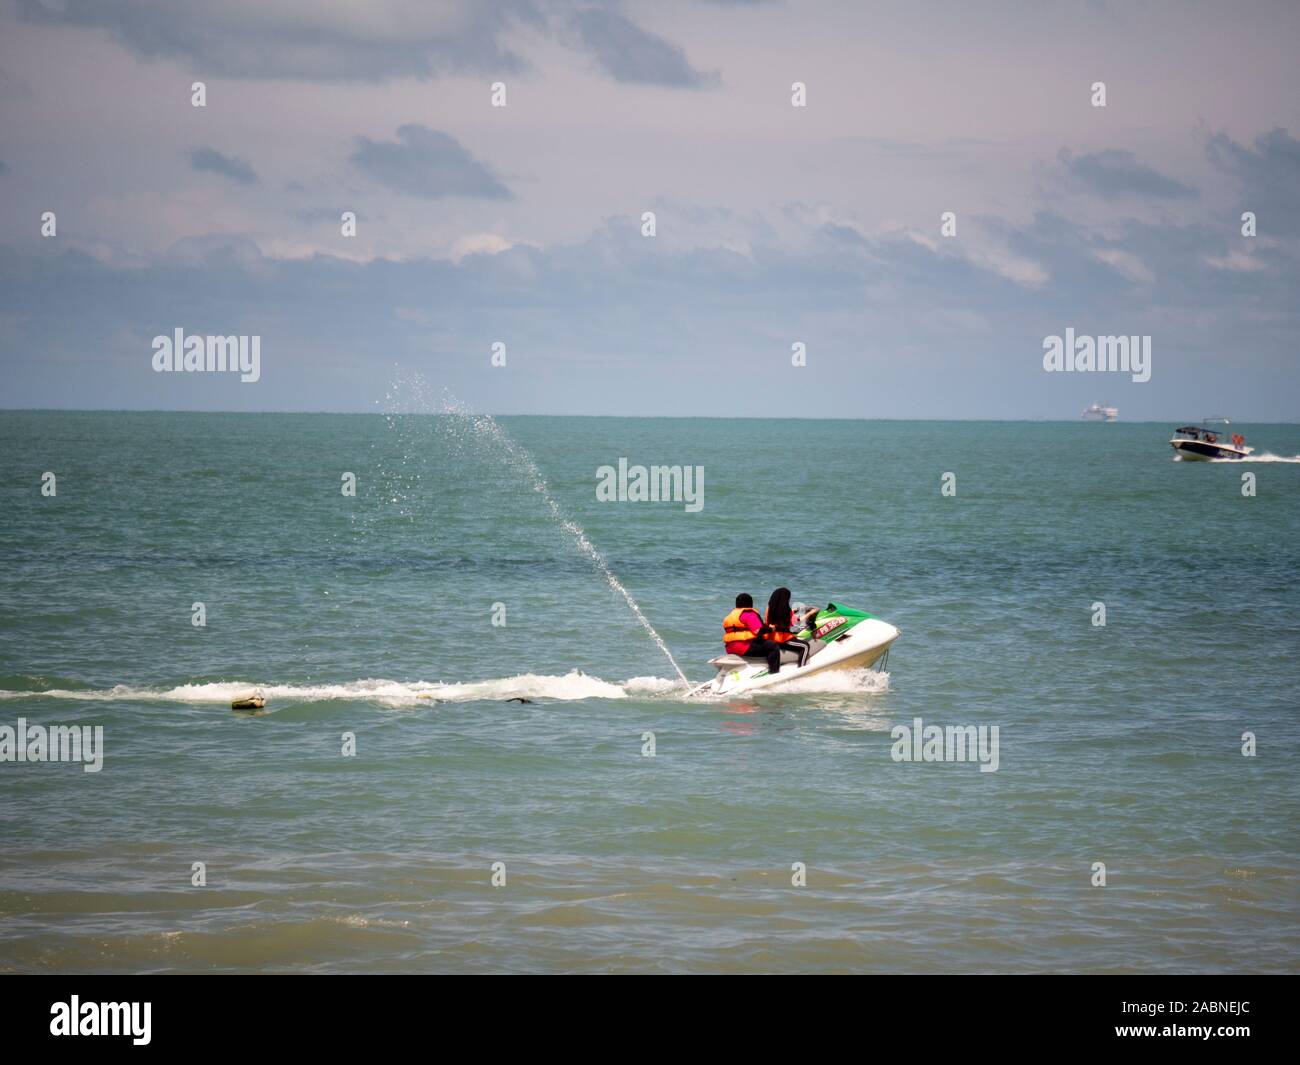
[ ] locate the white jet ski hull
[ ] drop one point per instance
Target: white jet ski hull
(860, 648)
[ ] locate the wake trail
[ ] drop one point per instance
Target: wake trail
(1266, 457)
(395, 694)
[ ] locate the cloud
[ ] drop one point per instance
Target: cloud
(13, 88)
(324, 40)
(1269, 175)
(630, 54)
(1118, 173)
(616, 323)
(479, 244)
(426, 163)
(216, 252)
(228, 166)
(332, 216)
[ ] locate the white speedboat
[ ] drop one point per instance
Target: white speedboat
(1195, 443)
(840, 638)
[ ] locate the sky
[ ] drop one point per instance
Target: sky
(522, 225)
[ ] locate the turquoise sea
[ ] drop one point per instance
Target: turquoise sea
(373, 615)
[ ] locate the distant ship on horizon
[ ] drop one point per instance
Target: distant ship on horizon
(1101, 414)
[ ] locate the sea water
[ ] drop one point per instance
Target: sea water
(608, 823)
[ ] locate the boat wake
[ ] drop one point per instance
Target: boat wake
(1265, 457)
(396, 694)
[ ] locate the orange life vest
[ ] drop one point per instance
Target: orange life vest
(734, 630)
(777, 635)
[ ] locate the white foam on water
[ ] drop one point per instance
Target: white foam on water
(391, 693)
(573, 685)
(846, 681)
(405, 694)
(1267, 456)
(223, 692)
(652, 686)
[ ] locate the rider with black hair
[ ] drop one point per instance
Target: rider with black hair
(780, 628)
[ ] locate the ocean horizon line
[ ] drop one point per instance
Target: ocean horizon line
(652, 417)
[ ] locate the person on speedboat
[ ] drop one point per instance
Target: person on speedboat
(742, 634)
(780, 625)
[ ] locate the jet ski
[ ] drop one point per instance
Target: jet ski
(838, 638)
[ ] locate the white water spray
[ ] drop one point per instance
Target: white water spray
(1267, 456)
(522, 462)
(414, 695)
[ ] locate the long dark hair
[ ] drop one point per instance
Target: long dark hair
(778, 610)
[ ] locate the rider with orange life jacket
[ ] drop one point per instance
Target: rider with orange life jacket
(744, 633)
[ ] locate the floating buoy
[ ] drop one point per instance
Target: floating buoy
(254, 700)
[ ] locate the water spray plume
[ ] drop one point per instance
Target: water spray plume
(486, 428)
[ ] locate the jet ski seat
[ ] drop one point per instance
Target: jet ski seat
(788, 658)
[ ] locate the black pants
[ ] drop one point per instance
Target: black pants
(771, 650)
(801, 647)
